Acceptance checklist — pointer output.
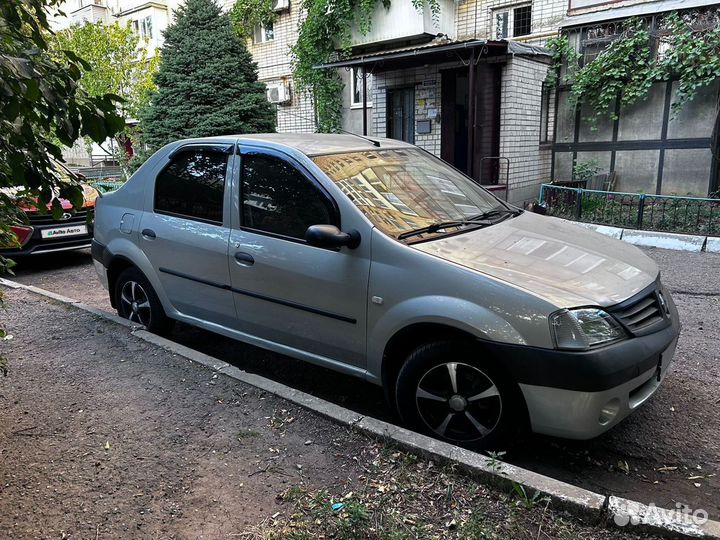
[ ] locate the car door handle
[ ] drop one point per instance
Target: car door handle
(244, 258)
(148, 233)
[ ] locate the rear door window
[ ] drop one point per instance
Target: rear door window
(193, 185)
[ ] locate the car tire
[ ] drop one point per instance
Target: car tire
(137, 301)
(446, 390)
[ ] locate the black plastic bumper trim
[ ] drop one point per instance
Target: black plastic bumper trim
(585, 371)
(279, 301)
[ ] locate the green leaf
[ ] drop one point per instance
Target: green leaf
(57, 209)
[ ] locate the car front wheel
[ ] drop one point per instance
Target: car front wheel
(447, 391)
(136, 301)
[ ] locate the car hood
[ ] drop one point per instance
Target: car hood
(557, 260)
(90, 194)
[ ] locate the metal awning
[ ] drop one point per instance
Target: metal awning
(438, 51)
(435, 52)
(637, 10)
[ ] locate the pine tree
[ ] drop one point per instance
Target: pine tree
(207, 82)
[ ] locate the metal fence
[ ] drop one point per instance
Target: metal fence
(106, 186)
(110, 171)
(687, 215)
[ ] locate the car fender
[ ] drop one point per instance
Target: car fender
(476, 320)
(125, 248)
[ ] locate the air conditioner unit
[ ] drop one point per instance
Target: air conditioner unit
(280, 5)
(278, 93)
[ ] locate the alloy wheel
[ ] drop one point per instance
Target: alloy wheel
(458, 401)
(135, 303)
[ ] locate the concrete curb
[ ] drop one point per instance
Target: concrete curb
(587, 505)
(664, 240)
(680, 242)
(712, 245)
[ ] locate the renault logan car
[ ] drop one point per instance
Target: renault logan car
(376, 259)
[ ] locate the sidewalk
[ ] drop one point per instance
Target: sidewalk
(103, 435)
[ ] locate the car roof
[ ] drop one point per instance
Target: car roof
(314, 144)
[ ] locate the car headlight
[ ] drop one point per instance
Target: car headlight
(583, 328)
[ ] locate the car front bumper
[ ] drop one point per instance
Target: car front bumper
(576, 414)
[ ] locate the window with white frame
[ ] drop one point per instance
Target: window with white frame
(263, 33)
(356, 87)
(143, 27)
(512, 22)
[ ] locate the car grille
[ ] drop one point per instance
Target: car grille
(641, 313)
(39, 220)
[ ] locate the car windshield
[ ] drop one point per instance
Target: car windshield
(402, 190)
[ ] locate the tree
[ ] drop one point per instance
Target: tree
(117, 64)
(207, 81)
(40, 103)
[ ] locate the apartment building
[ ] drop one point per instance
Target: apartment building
(148, 18)
(270, 48)
(647, 147)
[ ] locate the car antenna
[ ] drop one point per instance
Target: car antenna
(301, 117)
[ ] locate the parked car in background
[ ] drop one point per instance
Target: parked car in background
(42, 233)
(376, 259)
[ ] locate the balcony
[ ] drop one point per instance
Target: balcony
(89, 11)
(402, 22)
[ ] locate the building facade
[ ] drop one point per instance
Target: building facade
(467, 87)
(648, 147)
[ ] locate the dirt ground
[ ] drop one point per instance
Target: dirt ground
(666, 453)
(103, 435)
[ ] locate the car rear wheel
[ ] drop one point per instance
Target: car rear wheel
(136, 301)
(447, 391)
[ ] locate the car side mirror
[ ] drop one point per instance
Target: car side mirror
(329, 236)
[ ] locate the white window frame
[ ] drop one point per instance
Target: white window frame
(355, 78)
(143, 28)
(261, 30)
(510, 10)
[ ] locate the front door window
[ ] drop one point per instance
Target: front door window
(278, 199)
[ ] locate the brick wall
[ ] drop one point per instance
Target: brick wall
(530, 162)
(426, 82)
(274, 61)
(474, 18)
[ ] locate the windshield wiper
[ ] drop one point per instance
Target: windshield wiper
(440, 225)
(480, 220)
(497, 212)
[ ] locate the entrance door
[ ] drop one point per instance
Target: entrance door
(401, 114)
(456, 124)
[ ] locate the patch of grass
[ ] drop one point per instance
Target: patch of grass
(395, 497)
(477, 528)
(247, 434)
(526, 500)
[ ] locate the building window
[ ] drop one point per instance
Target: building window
(545, 134)
(509, 23)
(264, 33)
(596, 39)
(143, 27)
(356, 88)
